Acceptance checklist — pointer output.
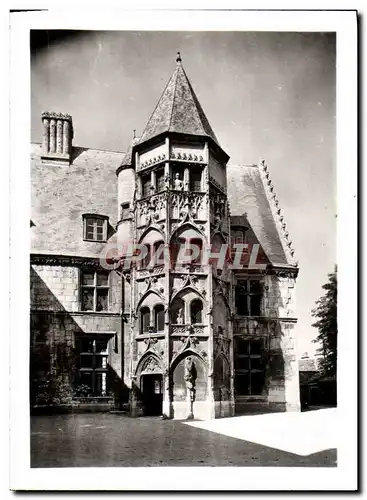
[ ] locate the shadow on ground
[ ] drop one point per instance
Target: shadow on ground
(105, 440)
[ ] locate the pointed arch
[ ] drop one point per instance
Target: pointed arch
(190, 351)
(144, 360)
(146, 294)
(186, 289)
(187, 225)
(150, 229)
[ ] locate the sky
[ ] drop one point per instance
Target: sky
(267, 95)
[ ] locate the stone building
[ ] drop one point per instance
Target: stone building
(147, 331)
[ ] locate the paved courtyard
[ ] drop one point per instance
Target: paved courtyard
(113, 440)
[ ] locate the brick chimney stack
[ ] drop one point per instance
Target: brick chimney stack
(57, 138)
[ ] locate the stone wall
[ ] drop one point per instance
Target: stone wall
(56, 319)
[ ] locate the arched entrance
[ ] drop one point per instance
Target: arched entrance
(151, 387)
(152, 394)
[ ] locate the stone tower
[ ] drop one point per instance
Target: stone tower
(173, 202)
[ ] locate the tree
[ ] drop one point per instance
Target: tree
(326, 315)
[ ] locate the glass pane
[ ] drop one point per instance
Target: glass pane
(157, 386)
(195, 180)
(90, 224)
(101, 345)
(255, 286)
(144, 320)
(242, 363)
(101, 361)
(102, 300)
(257, 383)
(88, 279)
(86, 361)
(241, 346)
(160, 181)
(159, 319)
(256, 347)
(86, 345)
(125, 211)
(255, 305)
(102, 279)
(89, 234)
(87, 299)
(100, 224)
(242, 384)
(100, 387)
(196, 312)
(146, 187)
(84, 387)
(256, 363)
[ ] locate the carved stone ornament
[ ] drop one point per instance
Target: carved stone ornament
(151, 366)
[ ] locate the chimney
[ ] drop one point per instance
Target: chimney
(57, 138)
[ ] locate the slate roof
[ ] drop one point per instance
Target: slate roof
(60, 195)
(247, 195)
(178, 110)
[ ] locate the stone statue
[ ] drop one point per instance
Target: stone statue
(179, 319)
(190, 379)
(178, 183)
(190, 374)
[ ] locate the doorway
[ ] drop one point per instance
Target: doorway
(152, 392)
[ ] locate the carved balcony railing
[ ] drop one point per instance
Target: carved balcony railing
(188, 202)
(196, 330)
(151, 209)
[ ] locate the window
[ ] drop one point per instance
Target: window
(95, 227)
(159, 318)
(178, 312)
(158, 253)
(176, 245)
(144, 262)
(146, 185)
(249, 367)
(196, 310)
(125, 211)
(198, 243)
(239, 236)
(94, 290)
(92, 365)
(159, 179)
(195, 180)
(144, 319)
(248, 298)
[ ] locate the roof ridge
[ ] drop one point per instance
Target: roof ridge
(156, 106)
(174, 93)
(277, 212)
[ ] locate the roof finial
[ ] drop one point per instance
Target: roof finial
(134, 134)
(178, 58)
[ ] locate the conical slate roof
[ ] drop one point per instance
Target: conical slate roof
(178, 110)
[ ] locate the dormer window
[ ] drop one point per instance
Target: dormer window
(95, 227)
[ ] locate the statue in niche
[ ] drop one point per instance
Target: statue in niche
(178, 183)
(190, 379)
(179, 318)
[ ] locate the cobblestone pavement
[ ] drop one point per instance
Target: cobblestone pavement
(113, 440)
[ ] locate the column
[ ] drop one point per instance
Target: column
(52, 135)
(186, 179)
(66, 138)
(153, 187)
(46, 135)
(59, 136)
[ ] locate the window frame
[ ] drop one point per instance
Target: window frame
(94, 370)
(95, 288)
(248, 294)
(125, 207)
(87, 218)
(249, 370)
